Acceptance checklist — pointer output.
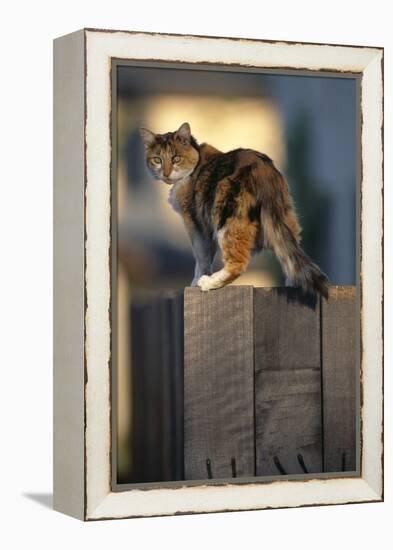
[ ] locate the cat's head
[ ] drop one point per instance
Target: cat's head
(172, 156)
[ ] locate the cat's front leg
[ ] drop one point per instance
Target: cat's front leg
(204, 250)
(198, 272)
(197, 275)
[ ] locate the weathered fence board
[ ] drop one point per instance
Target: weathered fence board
(218, 383)
(268, 388)
(339, 379)
(177, 385)
(287, 383)
(156, 439)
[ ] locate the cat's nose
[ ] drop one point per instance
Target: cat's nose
(167, 169)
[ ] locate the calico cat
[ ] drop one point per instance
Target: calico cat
(238, 201)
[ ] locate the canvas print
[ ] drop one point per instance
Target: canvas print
(235, 300)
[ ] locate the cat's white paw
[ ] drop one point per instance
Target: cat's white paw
(209, 282)
(205, 283)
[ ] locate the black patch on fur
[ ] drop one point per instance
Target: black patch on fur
(193, 212)
(241, 183)
(169, 138)
(194, 143)
(229, 208)
(264, 157)
(217, 168)
(254, 213)
(163, 139)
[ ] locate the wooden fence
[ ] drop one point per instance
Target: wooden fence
(263, 383)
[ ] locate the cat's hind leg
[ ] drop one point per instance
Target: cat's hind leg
(236, 240)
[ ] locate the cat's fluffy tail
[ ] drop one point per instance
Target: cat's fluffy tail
(298, 267)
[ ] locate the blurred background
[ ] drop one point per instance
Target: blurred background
(306, 124)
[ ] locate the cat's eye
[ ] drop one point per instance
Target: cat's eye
(176, 159)
(157, 160)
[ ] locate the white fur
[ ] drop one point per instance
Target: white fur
(211, 282)
(220, 235)
(217, 279)
(173, 200)
(172, 194)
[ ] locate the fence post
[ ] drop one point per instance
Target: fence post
(339, 379)
(270, 384)
(287, 383)
(156, 439)
(219, 383)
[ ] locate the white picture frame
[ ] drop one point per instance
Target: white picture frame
(82, 252)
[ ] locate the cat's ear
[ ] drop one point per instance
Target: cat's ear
(147, 136)
(184, 132)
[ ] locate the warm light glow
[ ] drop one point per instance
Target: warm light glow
(225, 123)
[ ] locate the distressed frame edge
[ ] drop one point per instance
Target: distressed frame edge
(372, 273)
(236, 38)
(375, 493)
(69, 250)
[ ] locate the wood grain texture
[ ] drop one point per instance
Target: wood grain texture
(339, 379)
(177, 343)
(218, 382)
(156, 443)
(287, 383)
